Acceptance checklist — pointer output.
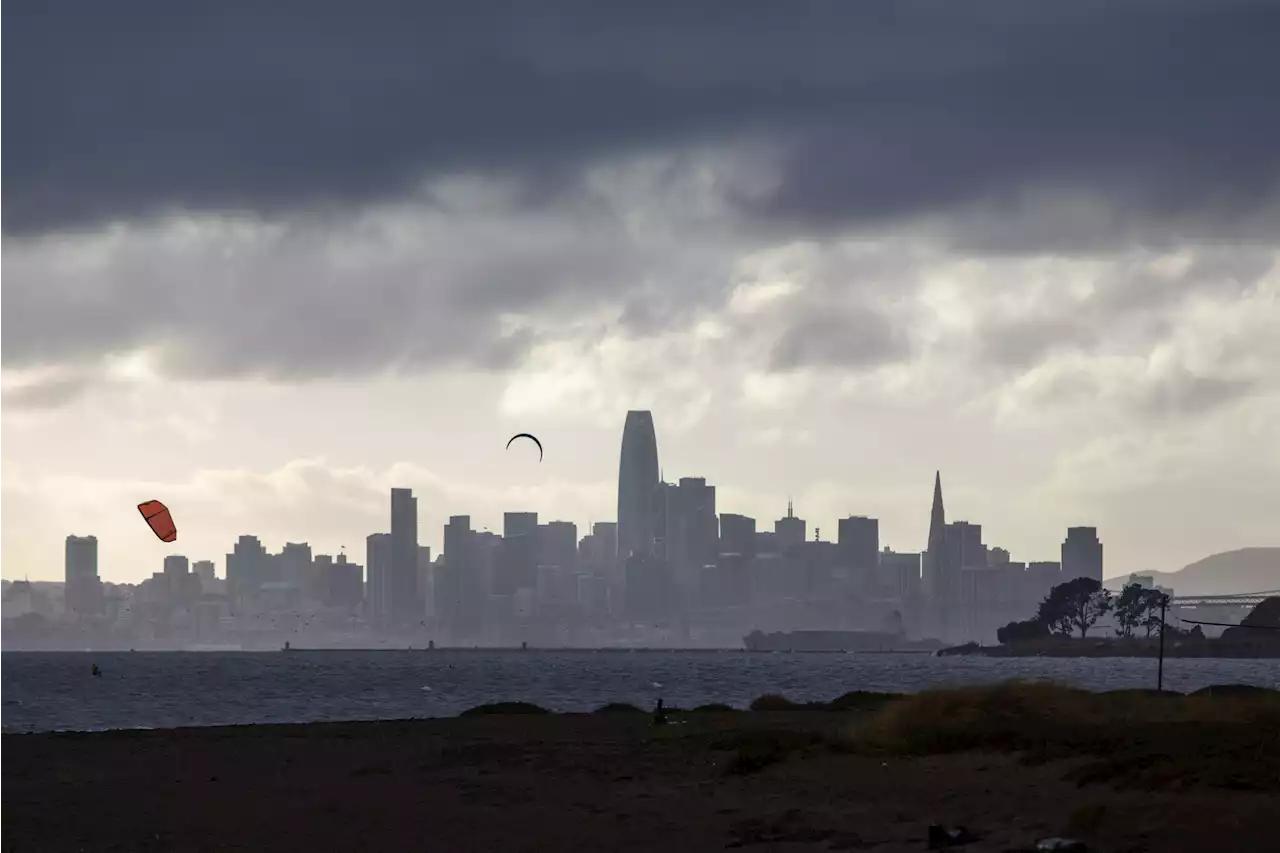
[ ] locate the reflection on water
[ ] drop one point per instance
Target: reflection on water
(55, 690)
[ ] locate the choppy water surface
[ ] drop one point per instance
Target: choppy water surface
(54, 690)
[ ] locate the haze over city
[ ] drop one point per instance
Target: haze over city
(828, 252)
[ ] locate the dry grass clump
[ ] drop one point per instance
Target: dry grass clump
(1134, 738)
(1002, 716)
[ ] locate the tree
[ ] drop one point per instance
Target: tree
(1074, 606)
(1151, 601)
(1137, 607)
(1130, 609)
(1021, 632)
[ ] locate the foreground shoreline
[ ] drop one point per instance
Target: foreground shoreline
(811, 778)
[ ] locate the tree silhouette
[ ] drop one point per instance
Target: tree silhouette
(1074, 606)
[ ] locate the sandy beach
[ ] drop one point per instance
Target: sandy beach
(758, 780)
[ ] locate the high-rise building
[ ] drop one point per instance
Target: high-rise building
(346, 584)
(789, 531)
(737, 534)
(638, 477)
(295, 562)
(558, 545)
(940, 577)
(606, 534)
(459, 562)
(378, 557)
(518, 559)
(402, 602)
(83, 589)
(692, 529)
(204, 570)
(248, 568)
(1082, 554)
(964, 545)
(181, 587)
(320, 575)
(858, 538)
(900, 573)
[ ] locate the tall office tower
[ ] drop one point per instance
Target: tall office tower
(204, 569)
(558, 545)
(638, 477)
(83, 589)
(320, 575)
(403, 578)
(858, 539)
(737, 534)
(693, 529)
(177, 570)
(789, 531)
(377, 559)
(459, 563)
(247, 569)
(346, 584)
(965, 549)
(1082, 554)
(296, 566)
(518, 563)
(663, 506)
(938, 576)
(606, 534)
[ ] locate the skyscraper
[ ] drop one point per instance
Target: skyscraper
(938, 575)
(402, 587)
(790, 531)
(858, 538)
(248, 568)
(83, 588)
(378, 556)
(1082, 554)
(637, 481)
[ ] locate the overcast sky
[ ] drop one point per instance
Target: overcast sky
(263, 261)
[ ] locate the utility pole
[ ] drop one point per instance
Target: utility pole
(1164, 602)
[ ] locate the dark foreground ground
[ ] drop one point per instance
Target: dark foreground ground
(784, 780)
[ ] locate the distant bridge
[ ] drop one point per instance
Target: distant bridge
(1237, 598)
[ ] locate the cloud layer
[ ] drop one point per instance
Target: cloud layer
(872, 111)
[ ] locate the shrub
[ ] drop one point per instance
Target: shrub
(500, 708)
(773, 702)
(861, 700)
(714, 708)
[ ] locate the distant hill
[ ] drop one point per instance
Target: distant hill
(1244, 570)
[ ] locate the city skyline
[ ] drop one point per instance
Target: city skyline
(637, 423)
(671, 566)
(393, 557)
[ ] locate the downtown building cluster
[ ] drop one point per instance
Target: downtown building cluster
(672, 570)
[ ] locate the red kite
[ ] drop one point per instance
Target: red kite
(157, 515)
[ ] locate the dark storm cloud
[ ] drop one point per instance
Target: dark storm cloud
(882, 109)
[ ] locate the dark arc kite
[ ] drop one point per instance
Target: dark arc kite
(529, 436)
